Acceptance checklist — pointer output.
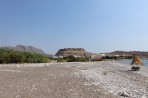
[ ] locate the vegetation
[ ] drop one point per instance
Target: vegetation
(97, 59)
(11, 56)
(71, 58)
(116, 58)
(60, 60)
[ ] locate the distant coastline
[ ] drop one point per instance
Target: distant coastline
(68, 55)
(127, 61)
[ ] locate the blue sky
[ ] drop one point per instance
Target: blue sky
(96, 25)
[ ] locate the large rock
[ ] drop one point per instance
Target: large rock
(77, 52)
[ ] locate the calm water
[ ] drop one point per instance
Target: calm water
(129, 62)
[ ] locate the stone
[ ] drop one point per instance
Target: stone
(124, 94)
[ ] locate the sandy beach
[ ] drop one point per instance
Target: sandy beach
(106, 79)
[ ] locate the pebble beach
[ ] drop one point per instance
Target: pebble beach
(105, 79)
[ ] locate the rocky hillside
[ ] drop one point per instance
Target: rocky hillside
(78, 52)
(26, 49)
(142, 54)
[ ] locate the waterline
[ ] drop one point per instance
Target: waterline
(129, 61)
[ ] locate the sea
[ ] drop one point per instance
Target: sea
(145, 62)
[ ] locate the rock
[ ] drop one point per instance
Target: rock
(135, 68)
(77, 52)
(124, 94)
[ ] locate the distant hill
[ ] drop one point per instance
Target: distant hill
(141, 54)
(27, 49)
(77, 52)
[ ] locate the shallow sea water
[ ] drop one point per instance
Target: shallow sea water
(129, 62)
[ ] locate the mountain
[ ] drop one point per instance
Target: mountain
(26, 49)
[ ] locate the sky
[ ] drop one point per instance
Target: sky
(96, 25)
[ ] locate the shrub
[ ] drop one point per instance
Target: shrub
(71, 58)
(11, 56)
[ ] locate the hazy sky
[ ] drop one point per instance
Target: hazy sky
(96, 25)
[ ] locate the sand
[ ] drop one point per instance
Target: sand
(106, 79)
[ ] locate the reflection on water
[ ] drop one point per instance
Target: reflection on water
(129, 62)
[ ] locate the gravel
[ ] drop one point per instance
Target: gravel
(106, 79)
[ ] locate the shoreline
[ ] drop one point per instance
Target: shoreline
(117, 79)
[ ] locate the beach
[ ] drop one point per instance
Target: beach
(105, 79)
